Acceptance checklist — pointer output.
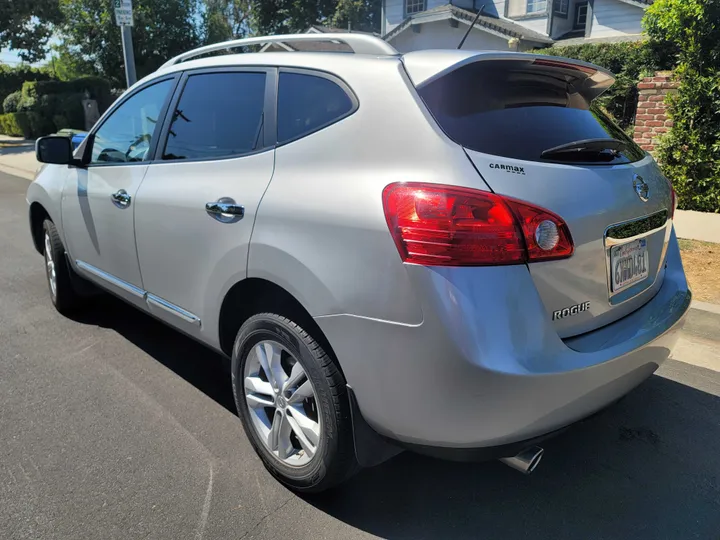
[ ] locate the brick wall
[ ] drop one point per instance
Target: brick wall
(651, 121)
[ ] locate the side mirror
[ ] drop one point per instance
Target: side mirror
(54, 149)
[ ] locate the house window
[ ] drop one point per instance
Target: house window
(414, 6)
(581, 11)
(561, 7)
(536, 6)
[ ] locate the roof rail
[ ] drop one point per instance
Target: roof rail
(359, 43)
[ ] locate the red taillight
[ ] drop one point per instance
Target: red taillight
(436, 225)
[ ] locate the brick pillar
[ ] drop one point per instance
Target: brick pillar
(651, 120)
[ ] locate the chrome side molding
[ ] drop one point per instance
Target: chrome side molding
(150, 299)
(186, 316)
(112, 280)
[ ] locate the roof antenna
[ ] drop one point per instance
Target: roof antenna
(482, 9)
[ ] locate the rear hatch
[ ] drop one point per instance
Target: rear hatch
(528, 125)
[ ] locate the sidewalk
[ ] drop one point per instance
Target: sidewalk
(17, 157)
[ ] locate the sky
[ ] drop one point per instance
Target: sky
(10, 57)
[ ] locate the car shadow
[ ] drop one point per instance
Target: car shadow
(646, 468)
(205, 369)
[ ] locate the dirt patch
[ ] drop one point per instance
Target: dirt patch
(702, 268)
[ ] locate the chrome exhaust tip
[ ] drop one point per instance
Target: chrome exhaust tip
(526, 461)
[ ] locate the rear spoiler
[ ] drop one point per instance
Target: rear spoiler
(424, 67)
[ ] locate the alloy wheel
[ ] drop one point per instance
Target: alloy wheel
(50, 266)
(283, 406)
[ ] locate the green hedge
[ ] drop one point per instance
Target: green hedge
(95, 88)
(690, 153)
(629, 62)
(29, 125)
(47, 106)
(12, 79)
(12, 102)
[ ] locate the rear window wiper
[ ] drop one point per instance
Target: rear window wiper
(571, 150)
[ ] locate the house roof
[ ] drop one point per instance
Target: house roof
(503, 27)
(317, 46)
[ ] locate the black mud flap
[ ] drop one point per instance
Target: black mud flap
(371, 448)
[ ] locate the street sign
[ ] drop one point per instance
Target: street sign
(123, 12)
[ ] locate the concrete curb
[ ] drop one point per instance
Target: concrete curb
(703, 320)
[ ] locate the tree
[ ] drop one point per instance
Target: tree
(225, 19)
(161, 29)
(67, 64)
(290, 16)
(363, 15)
(26, 26)
(690, 153)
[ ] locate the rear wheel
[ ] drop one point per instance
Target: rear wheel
(293, 403)
(59, 274)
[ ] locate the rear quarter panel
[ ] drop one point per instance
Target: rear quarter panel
(320, 231)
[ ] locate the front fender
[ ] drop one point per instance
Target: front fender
(44, 197)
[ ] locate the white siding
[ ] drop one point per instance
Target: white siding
(613, 18)
(563, 26)
(492, 7)
(440, 35)
(465, 4)
(516, 8)
(539, 25)
(394, 13)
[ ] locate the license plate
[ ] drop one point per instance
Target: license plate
(629, 264)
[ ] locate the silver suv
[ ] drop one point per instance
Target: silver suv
(453, 252)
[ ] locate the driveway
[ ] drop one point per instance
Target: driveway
(114, 426)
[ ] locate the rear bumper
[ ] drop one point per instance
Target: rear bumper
(485, 368)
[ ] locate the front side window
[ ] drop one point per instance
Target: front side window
(561, 6)
(536, 6)
(414, 6)
(218, 115)
(307, 103)
(581, 10)
(126, 135)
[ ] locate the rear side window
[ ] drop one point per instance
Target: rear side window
(512, 111)
(307, 103)
(218, 115)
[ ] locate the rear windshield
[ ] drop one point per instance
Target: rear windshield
(515, 110)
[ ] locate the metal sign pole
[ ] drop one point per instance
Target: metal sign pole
(124, 19)
(129, 55)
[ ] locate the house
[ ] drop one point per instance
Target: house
(509, 24)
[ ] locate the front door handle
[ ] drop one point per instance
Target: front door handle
(225, 210)
(121, 199)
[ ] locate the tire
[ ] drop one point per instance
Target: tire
(63, 295)
(334, 456)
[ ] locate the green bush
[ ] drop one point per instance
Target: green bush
(16, 125)
(12, 101)
(690, 153)
(95, 88)
(12, 79)
(60, 102)
(628, 62)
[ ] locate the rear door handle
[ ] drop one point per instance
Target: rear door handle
(225, 210)
(121, 199)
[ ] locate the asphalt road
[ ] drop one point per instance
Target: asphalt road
(113, 426)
